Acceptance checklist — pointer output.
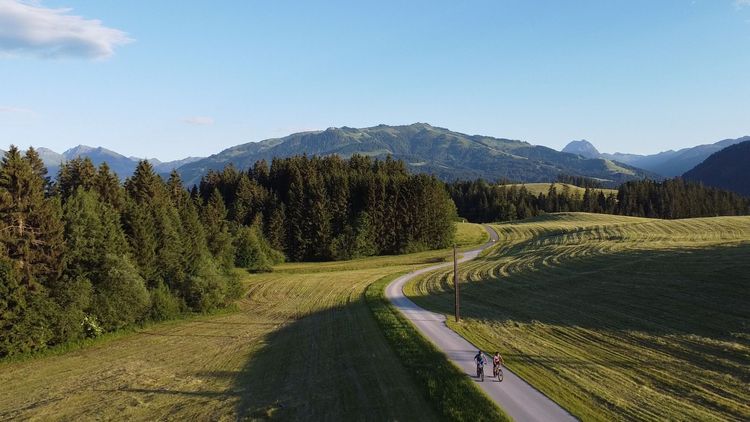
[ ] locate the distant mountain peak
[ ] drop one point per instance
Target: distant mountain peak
(86, 150)
(583, 148)
(79, 149)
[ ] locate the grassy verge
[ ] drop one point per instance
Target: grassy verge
(469, 234)
(446, 388)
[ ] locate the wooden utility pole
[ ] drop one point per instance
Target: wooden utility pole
(455, 282)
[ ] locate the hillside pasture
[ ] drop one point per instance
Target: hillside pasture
(615, 318)
(537, 188)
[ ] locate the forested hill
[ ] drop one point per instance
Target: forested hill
(426, 149)
(727, 169)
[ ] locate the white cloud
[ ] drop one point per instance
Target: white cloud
(199, 120)
(15, 110)
(741, 3)
(27, 28)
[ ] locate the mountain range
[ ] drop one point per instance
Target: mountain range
(726, 169)
(123, 166)
(424, 148)
(667, 164)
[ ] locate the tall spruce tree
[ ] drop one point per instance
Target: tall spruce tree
(218, 238)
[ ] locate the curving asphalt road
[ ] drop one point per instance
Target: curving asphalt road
(518, 399)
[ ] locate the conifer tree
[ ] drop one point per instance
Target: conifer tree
(176, 191)
(275, 227)
(107, 185)
(218, 238)
(32, 226)
(249, 252)
(79, 172)
(145, 184)
(140, 231)
(24, 319)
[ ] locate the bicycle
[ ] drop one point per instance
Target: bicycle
(498, 373)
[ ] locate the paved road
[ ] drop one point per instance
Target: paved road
(517, 398)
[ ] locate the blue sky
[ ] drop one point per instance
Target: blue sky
(169, 79)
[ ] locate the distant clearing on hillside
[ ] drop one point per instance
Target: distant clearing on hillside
(537, 188)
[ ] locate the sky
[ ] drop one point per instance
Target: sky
(170, 79)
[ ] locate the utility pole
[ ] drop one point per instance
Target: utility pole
(455, 282)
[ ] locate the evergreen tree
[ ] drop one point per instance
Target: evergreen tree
(249, 252)
(275, 228)
(218, 238)
(107, 185)
(31, 223)
(140, 231)
(145, 184)
(24, 319)
(79, 172)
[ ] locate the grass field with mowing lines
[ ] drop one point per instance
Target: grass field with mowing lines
(303, 346)
(615, 318)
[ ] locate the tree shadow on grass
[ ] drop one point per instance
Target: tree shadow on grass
(331, 365)
(701, 291)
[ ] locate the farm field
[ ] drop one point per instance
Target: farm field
(303, 346)
(537, 188)
(615, 318)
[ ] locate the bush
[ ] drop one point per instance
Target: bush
(164, 305)
(206, 293)
(91, 327)
(70, 299)
(234, 288)
(121, 297)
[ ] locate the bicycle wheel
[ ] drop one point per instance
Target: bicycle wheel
(499, 375)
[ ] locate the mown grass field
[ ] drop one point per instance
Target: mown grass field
(303, 346)
(615, 318)
(537, 188)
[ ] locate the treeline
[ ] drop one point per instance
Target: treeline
(324, 208)
(479, 201)
(678, 198)
(88, 255)
(580, 181)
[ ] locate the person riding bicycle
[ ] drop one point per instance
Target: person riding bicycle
(497, 360)
(480, 361)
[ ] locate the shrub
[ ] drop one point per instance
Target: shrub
(164, 305)
(121, 297)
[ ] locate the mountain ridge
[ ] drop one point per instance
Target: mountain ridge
(424, 148)
(121, 165)
(725, 169)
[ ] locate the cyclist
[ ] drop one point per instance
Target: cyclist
(497, 360)
(480, 361)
